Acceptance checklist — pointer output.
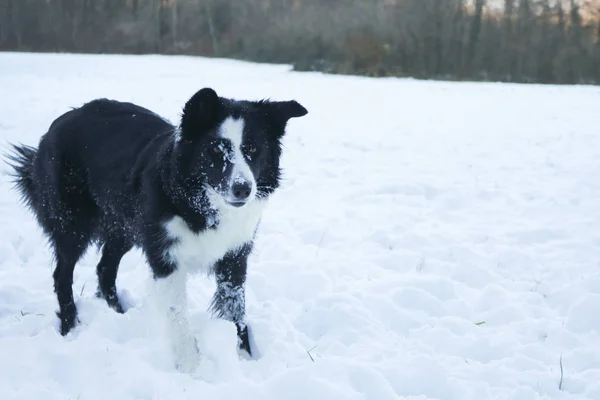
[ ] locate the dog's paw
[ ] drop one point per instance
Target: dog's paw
(244, 355)
(247, 349)
(187, 363)
(187, 356)
(68, 320)
(187, 366)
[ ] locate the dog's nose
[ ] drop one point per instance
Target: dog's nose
(241, 190)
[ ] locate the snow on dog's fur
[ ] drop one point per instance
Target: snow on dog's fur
(190, 196)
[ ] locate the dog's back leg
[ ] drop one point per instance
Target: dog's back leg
(68, 247)
(69, 216)
(112, 252)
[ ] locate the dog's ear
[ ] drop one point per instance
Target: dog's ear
(280, 112)
(284, 110)
(200, 113)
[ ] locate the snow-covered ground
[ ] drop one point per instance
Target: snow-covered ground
(431, 241)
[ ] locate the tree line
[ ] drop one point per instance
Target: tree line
(540, 41)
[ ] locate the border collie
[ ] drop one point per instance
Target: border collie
(189, 195)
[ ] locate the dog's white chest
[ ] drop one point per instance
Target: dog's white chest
(198, 252)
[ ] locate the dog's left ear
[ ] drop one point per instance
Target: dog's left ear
(281, 111)
(201, 113)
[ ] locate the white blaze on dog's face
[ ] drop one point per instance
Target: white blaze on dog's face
(238, 185)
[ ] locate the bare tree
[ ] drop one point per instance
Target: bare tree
(474, 32)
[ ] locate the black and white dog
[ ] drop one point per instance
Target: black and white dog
(190, 196)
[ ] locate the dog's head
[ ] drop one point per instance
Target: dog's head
(232, 148)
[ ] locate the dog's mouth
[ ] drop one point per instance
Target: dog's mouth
(236, 204)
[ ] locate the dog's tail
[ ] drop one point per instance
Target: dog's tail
(21, 160)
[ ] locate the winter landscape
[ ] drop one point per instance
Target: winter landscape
(431, 241)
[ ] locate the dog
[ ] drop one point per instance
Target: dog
(190, 196)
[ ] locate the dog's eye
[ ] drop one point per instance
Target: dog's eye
(252, 149)
(217, 149)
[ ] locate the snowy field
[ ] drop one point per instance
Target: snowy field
(431, 241)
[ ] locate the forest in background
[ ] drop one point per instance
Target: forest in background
(535, 41)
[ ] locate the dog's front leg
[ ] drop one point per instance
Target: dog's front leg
(171, 300)
(229, 301)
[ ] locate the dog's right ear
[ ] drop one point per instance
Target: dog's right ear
(200, 113)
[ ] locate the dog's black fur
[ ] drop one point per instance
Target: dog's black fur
(112, 173)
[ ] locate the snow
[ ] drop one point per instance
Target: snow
(431, 241)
